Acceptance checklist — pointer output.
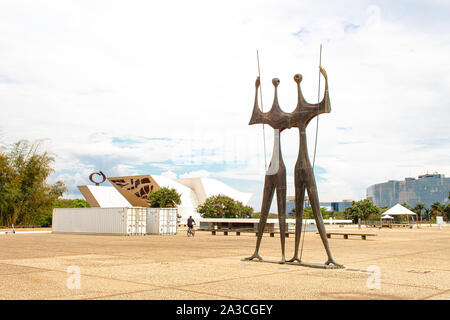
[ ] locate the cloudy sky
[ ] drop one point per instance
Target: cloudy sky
(167, 87)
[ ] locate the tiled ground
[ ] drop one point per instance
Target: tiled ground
(412, 264)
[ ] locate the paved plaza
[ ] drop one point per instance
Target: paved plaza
(410, 263)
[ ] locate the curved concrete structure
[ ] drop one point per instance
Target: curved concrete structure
(103, 197)
(133, 191)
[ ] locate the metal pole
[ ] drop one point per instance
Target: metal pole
(318, 101)
(315, 142)
(262, 109)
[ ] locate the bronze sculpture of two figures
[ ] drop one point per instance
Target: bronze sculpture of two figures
(275, 178)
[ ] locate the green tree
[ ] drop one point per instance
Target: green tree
(308, 213)
(402, 218)
(447, 212)
(25, 196)
(437, 209)
(164, 198)
(419, 208)
(327, 214)
(363, 209)
(427, 214)
(256, 215)
(447, 208)
(46, 219)
(407, 206)
(340, 215)
(354, 212)
(221, 206)
(71, 203)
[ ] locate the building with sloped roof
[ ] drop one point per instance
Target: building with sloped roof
(133, 191)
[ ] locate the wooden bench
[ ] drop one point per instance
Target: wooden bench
(238, 232)
(401, 225)
(225, 232)
(363, 235)
(272, 234)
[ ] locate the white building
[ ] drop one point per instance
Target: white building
(132, 191)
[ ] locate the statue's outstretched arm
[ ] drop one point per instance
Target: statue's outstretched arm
(257, 84)
(300, 99)
(321, 107)
(325, 106)
(257, 115)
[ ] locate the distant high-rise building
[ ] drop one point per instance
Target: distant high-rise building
(427, 189)
(341, 206)
(330, 206)
(290, 205)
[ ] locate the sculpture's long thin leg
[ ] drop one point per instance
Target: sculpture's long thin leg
(281, 201)
(315, 205)
(269, 190)
(300, 186)
(299, 200)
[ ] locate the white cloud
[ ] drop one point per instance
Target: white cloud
(196, 174)
(86, 73)
(124, 170)
(169, 174)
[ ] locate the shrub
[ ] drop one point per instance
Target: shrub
(164, 198)
(46, 219)
(221, 206)
(25, 195)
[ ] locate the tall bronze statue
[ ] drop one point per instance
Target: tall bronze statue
(276, 173)
(303, 173)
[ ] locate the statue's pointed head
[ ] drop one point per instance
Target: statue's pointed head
(298, 78)
(275, 82)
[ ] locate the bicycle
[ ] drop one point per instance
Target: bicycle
(191, 231)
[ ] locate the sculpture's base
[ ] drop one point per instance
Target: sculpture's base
(301, 264)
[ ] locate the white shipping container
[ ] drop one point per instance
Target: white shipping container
(162, 221)
(120, 221)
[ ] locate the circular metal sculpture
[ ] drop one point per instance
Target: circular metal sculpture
(91, 177)
(275, 179)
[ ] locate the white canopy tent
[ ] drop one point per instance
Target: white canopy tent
(386, 220)
(399, 210)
